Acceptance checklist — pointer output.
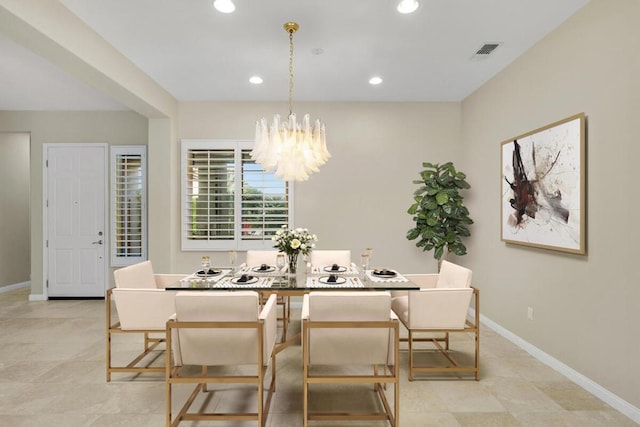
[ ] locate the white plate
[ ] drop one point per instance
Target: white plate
(250, 280)
(341, 269)
(269, 269)
(385, 274)
(211, 273)
(339, 280)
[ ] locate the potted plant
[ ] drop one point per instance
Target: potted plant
(439, 214)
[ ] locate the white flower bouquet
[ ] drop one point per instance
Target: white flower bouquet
(294, 242)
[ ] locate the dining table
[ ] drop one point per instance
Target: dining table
(271, 280)
(300, 283)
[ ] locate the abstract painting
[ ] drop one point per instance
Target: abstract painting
(543, 186)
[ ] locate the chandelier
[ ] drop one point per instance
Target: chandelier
(292, 150)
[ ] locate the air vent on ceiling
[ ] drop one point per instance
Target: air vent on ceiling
(485, 50)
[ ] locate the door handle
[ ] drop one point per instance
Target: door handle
(99, 242)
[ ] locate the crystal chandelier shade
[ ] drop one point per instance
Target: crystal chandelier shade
(291, 150)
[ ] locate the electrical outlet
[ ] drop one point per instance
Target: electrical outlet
(530, 313)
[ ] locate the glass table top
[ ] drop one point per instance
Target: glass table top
(320, 279)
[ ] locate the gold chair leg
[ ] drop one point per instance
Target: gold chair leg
(305, 374)
(285, 318)
(410, 340)
(167, 378)
(204, 374)
(477, 326)
(108, 329)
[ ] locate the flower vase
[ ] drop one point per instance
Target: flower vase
(293, 263)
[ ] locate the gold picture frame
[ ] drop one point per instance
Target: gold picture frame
(543, 187)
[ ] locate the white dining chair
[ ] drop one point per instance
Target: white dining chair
(438, 309)
(222, 338)
(324, 258)
(142, 307)
(256, 258)
(350, 337)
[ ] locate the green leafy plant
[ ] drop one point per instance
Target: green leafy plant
(439, 214)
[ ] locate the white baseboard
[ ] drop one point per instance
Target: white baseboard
(591, 386)
(37, 297)
(14, 287)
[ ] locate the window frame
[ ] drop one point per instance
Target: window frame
(117, 260)
(235, 243)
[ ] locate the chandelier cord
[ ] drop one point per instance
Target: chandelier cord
(291, 71)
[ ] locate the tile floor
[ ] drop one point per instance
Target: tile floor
(52, 374)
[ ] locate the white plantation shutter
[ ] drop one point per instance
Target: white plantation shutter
(210, 195)
(265, 201)
(128, 205)
(228, 201)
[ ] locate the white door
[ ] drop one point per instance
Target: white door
(75, 218)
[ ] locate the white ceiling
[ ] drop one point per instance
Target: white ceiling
(197, 53)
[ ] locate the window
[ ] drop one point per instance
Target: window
(228, 200)
(128, 205)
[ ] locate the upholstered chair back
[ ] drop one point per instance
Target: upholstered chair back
(438, 308)
(137, 276)
(453, 276)
(423, 280)
(349, 345)
(256, 258)
(220, 346)
(322, 258)
(143, 309)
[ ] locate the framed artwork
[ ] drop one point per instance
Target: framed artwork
(543, 187)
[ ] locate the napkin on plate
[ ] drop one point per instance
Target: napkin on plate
(384, 272)
(209, 272)
(244, 278)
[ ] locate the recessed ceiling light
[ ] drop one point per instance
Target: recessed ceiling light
(375, 80)
(408, 6)
(224, 6)
(256, 80)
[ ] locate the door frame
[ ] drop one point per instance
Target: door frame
(45, 211)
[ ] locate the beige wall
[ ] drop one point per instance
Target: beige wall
(585, 307)
(361, 195)
(50, 127)
(14, 208)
